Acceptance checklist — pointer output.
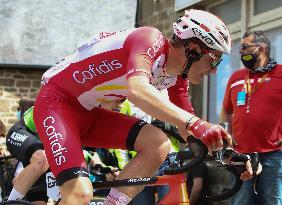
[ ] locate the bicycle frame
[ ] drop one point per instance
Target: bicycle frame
(177, 194)
(174, 177)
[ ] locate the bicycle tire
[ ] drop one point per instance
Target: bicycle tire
(16, 202)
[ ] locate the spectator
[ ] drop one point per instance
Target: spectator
(23, 143)
(252, 103)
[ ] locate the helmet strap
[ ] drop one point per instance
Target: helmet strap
(192, 56)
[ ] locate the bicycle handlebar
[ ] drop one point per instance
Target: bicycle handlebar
(235, 170)
(178, 166)
(218, 157)
(194, 163)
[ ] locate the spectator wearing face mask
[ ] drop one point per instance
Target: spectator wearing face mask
(252, 105)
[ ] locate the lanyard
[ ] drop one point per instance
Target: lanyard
(248, 87)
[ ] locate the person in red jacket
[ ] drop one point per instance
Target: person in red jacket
(135, 64)
(253, 103)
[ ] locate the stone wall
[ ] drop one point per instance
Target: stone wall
(42, 32)
(16, 83)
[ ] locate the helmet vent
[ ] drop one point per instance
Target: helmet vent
(195, 22)
(224, 36)
(211, 35)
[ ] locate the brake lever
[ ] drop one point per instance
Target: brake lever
(179, 168)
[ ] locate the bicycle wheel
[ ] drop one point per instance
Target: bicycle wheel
(16, 202)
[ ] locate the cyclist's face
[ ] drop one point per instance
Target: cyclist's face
(206, 65)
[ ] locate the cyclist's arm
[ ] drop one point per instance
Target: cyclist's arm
(150, 100)
(178, 94)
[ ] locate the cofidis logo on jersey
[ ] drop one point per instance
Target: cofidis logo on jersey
(93, 71)
(158, 43)
(55, 139)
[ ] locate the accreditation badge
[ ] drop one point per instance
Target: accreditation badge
(241, 98)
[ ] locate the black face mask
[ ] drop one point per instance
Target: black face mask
(249, 60)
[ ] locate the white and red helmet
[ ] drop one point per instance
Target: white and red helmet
(204, 26)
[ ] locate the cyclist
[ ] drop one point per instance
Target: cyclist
(23, 143)
(134, 64)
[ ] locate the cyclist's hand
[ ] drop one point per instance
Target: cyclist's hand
(243, 166)
(184, 133)
(248, 174)
(210, 134)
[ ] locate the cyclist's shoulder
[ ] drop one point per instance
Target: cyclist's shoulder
(149, 30)
(146, 34)
(18, 125)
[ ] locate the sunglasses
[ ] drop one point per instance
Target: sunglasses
(216, 60)
(245, 46)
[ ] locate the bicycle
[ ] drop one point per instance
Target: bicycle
(175, 177)
(179, 164)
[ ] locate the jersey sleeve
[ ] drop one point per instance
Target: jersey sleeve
(144, 46)
(178, 94)
(227, 102)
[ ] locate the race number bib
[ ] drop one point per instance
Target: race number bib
(52, 187)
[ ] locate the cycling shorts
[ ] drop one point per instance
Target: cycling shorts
(64, 126)
(21, 143)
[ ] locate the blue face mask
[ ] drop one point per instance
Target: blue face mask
(19, 115)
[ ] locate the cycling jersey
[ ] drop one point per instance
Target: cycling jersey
(265, 111)
(28, 119)
(67, 113)
(97, 71)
